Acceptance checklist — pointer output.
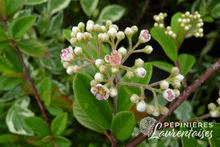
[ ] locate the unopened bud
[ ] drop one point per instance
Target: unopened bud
(97, 27)
(79, 36)
(120, 35)
(176, 84)
(139, 62)
(99, 77)
(176, 92)
(112, 32)
(135, 29)
(211, 106)
(114, 69)
(122, 51)
(129, 74)
(81, 26)
(214, 113)
(134, 98)
(147, 49)
(108, 23)
(218, 101)
(103, 29)
(179, 77)
(99, 62)
(103, 68)
(175, 71)
(66, 64)
(164, 110)
(156, 111)
(141, 106)
(93, 83)
(140, 72)
(72, 69)
(150, 109)
(113, 92)
(78, 50)
(129, 32)
(164, 85)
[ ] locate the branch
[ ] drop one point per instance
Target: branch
(189, 90)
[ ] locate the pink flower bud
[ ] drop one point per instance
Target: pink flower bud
(140, 72)
(169, 95)
(141, 106)
(144, 36)
(67, 54)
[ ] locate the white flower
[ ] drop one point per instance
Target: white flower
(141, 106)
(101, 92)
(169, 95)
(113, 92)
(140, 72)
(67, 54)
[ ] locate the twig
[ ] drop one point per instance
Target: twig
(136, 141)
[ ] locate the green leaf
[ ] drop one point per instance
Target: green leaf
(36, 140)
(8, 138)
(124, 102)
(33, 48)
(3, 35)
(20, 26)
(13, 5)
(6, 66)
(55, 6)
(16, 115)
(62, 141)
(176, 28)
(97, 110)
(89, 6)
(59, 124)
(214, 129)
(136, 90)
(55, 24)
(67, 34)
(184, 111)
(4, 44)
(166, 42)
(13, 58)
(45, 90)
(186, 140)
(186, 62)
(37, 125)
(216, 11)
(9, 83)
(10, 95)
(123, 125)
(111, 12)
(84, 120)
(34, 2)
(54, 110)
(162, 65)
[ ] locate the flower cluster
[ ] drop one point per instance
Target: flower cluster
(109, 65)
(214, 110)
(169, 94)
(191, 23)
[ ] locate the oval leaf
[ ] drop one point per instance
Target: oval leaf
(97, 110)
(186, 62)
(84, 120)
(123, 125)
(58, 124)
(89, 6)
(12, 5)
(162, 65)
(33, 48)
(67, 34)
(37, 125)
(124, 102)
(111, 12)
(166, 42)
(57, 5)
(20, 26)
(62, 141)
(16, 115)
(34, 2)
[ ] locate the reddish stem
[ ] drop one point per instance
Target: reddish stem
(136, 141)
